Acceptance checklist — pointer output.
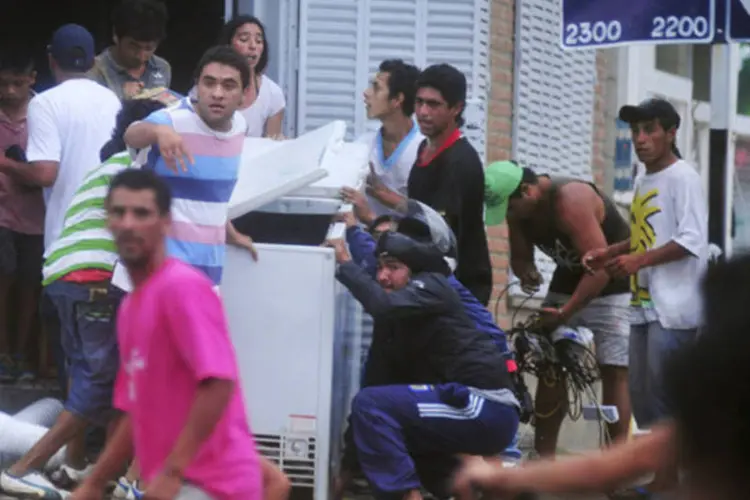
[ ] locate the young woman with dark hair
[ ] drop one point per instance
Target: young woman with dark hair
(264, 103)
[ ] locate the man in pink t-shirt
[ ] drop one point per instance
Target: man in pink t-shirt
(178, 382)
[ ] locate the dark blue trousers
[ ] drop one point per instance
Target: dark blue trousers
(408, 436)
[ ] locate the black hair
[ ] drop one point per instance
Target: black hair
(451, 84)
(230, 28)
(402, 79)
(132, 110)
(223, 54)
(668, 123)
(141, 179)
(528, 176)
(141, 20)
(17, 60)
(703, 380)
(381, 220)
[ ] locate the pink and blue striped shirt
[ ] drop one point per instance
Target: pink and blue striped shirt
(200, 196)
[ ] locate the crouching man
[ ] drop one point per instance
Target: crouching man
(443, 388)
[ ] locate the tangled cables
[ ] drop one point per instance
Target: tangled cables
(561, 357)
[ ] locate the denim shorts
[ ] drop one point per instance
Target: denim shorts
(86, 314)
(650, 346)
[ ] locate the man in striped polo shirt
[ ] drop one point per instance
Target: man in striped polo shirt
(196, 147)
(77, 267)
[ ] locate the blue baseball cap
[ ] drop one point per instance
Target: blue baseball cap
(72, 48)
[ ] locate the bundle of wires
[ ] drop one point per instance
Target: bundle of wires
(558, 357)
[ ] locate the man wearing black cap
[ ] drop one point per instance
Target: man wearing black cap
(448, 174)
(407, 436)
(665, 257)
(67, 125)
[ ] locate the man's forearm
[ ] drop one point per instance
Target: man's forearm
(596, 472)
(590, 286)
(34, 174)
(618, 249)
(141, 135)
(670, 252)
(362, 248)
(391, 199)
(116, 454)
(522, 266)
(233, 236)
(211, 400)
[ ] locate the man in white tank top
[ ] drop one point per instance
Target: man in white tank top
(394, 145)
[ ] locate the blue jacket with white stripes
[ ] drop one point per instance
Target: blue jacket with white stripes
(440, 312)
(362, 248)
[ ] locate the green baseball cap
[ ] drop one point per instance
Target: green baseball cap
(501, 179)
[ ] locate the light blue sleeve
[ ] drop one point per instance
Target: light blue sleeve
(160, 117)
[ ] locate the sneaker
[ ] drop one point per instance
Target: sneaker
(30, 485)
(68, 477)
(127, 490)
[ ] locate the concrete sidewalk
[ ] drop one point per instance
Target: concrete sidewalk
(575, 437)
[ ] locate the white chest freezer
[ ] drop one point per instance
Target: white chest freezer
(296, 330)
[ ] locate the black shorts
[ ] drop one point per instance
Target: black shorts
(21, 254)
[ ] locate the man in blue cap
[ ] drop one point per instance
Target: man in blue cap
(68, 125)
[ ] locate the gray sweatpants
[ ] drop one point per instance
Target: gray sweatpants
(190, 492)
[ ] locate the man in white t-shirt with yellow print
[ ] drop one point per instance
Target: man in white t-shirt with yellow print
(666, 256)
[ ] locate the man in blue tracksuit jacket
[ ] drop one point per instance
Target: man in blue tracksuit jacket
(362, 246)
(406, 435)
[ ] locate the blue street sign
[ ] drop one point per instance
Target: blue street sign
(606, 23)
(738, 20)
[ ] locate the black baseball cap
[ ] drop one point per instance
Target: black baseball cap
(651, 109)
(72, 47)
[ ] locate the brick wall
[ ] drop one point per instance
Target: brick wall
(500, 139)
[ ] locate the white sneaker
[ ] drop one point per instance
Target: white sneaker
(30, 485)
(66, 472)
(68, 477)
(127, 490)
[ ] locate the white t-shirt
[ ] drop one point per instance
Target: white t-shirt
(394, 170)
(269, 102)
(69, 124)
(670, 206)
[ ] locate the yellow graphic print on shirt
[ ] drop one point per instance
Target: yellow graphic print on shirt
(642, 238)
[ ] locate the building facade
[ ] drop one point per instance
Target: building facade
(326, 52)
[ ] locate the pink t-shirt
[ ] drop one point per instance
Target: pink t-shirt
(173, 334)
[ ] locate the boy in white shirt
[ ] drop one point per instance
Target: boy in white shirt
(666, 256)
(393, 147)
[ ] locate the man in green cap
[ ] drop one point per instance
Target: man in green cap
(565, 218)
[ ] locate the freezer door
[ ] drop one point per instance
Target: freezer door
(271, 170)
